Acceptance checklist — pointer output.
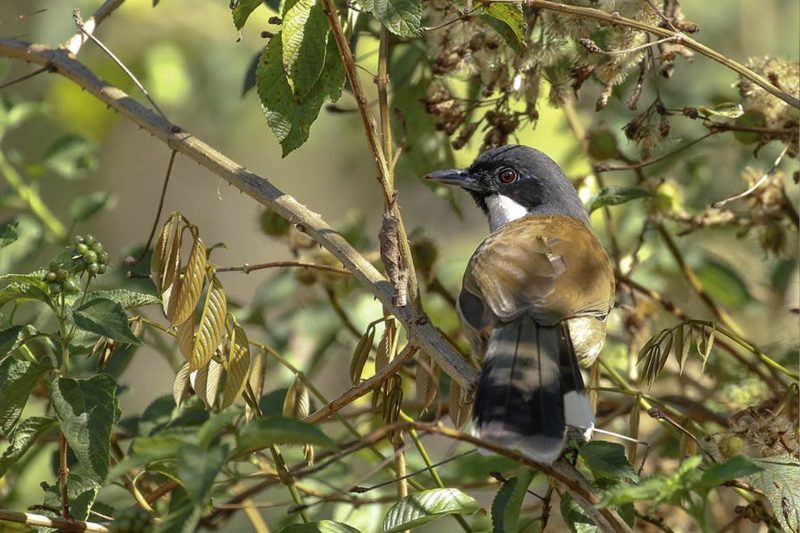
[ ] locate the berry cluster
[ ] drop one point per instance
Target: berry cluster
(59, 279)
(90, 255)
(131, 520)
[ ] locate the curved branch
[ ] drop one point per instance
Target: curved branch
(421, 331)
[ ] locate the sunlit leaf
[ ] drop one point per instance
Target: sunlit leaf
(180, 386)
(779, 479)
(423, 507)
(165, 263)
(296, 404)
(509, 22)
(323, 526)
(401, 17)
(607, 460)
(241, 10)
(124, 297)
(211, 324)
(187, 289)
(237, 363)
(304, 38)
(725, 110)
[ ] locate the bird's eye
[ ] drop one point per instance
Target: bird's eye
(508, 175)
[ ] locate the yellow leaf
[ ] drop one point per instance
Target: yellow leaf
(237, 364)
(186, 291)
(165, 264)
(212, 321)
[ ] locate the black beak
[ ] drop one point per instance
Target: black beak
(455, 176)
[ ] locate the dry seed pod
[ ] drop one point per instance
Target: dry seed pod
(296, 404)
(361, 355)
(459, 408)
(426, 380)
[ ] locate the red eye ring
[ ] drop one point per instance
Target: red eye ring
(508, 176)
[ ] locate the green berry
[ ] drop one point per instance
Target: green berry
(55, 288)
(102, 258)
(50, 276)
(79, 239)
(102, 268)
(82, 248)
(89, 240)
(90, 257)
(53, 265)
(97, 247)
(61, 274)
(93, 268)
(70, 286)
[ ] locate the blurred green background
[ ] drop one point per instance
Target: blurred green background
(193, 62)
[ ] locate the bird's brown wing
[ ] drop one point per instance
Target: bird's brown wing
(552, 267)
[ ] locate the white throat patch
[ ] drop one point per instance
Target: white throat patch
(503, 210)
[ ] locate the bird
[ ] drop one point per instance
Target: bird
(535, 297)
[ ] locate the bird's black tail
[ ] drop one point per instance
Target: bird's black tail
(530, 390)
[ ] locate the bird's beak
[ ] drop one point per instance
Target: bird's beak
(455, 176)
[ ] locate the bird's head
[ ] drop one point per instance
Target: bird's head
(513, 181)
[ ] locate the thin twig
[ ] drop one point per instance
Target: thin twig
(642, 164)
(74, 43)
(76, 15)
(163, 195)
(759, 182)
(23, 78)
(247, 268)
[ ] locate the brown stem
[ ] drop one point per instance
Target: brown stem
(247, 268)
(63, 475)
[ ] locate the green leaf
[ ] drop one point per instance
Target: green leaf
(86, 410)
(208, 432)
(259, 434)
(241, 10)
(779, 479)
(616, 196)
(607, 460)
(508, 502)
(24, 290)
(508, 21)
(81, 493)
(125, 298)
(401, 17)
(9, 233)
(70, 156)
(10, 339)
(86, 206)
(290, 115)
(323, 526)
(725, 110)
(17, 379)
(183, 514)
(574, 517)
(23, 437)
(723, 283)
(198, 467)
(104, 317)
(719, 473)
(303, 39)
(656, 488)
(426, 506)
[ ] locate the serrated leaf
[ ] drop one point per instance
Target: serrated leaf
(574, 517)
(779, 479)
(607, 460)
(259, 434)
(303, 39)
(186, 291)
(106, 318)
(81, 494)
(71, 156)
(211, 325)
(17, 379)
(509, 22)
(86, 206)
(237, 364)
(735, 468)
(165, 263)
(291, 115)
(23, 291)
(241, 10)
(127, 299)
(616, 196)
(656, 489)
(198, 467)
(508, 502)
(426, 506)
(9, 233)
(323, 526)
(86, 410)
(22, 438)
(401, 17)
